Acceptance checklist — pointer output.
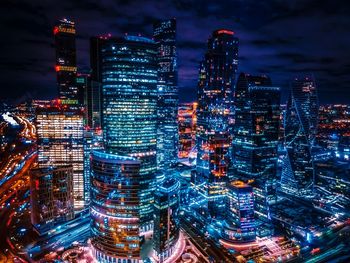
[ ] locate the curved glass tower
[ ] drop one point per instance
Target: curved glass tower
(115, 207)
(300, 128)
(129, 83)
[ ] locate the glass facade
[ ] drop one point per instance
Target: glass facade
(300, 128)
(164, 33)
(66, 65)
(256, 135)
(239, 225)
(187, 128)
(51, 197)
(115, 206)
(60, 142)
(215, 113)
(129, 78)
(166, 218)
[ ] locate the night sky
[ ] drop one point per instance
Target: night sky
(280, 38)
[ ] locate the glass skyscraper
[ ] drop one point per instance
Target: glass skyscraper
(256, 135)
(66, 65)
(300, 128)
(215, 115)
(129, 79)
(166, 218)
(239, 225)
(164, 33)
(115, 201)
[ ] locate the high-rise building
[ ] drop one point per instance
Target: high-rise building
(166, 218)
(187, 128)
(51, 197)
(60, 142)
(82, 82)
(93, 140)
(256, 137)
(66, 65)
(115, 183)
(164, 33)
(215, 112)
(239, 225)
(300, 128)
(129, 77)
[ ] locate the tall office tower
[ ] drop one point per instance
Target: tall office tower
(60, 142)
(164, 33)
(300, 128)
(239, 225)
(82, 82)
(115, 183)
(51, 197)
(93, 140)
(129, 77)
(66, 65)
(187, 121)
(215, 112)
(166, 218)
(256, 135)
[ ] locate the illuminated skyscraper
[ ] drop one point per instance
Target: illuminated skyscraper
(166, 218)
(82, 82)
(187, 128)
(164, 33)
(115, 183)
(300, 128)
(129, 77)
(51, 197)
(239, 225)
(60, 142)
(66, 65)
(215, 114)
(92, 141)
(256, 135)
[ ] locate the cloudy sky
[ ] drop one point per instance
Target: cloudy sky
(280, 38)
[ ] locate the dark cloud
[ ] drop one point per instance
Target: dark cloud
(279, 38)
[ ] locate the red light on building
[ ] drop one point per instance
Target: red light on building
(55, 30)
(57, 68)
(224, 31)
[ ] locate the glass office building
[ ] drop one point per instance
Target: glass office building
(300, 128)
(60, 142)
(256, 135)
(239, 225)
(129, 80)
(166, 218)
(115, 185)
(215, 113)
(164, 34)
(51, 197)
(66, 64)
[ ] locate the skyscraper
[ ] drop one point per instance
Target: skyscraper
(256, 135)
(300, 127)
(129, 77)
(60, 142)
(51, 197)
(166, 218)
(66, 65)
(115, 183)
(164, 33)
(187, 121)
(215, 113)
(239, 225)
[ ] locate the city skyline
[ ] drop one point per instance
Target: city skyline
(266, 46)
(155, 150)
